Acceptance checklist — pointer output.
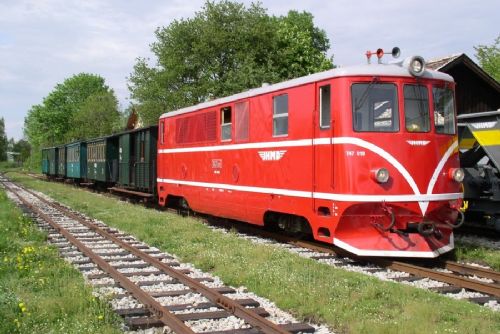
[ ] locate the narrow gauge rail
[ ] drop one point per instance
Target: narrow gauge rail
(416, 269)
(154, 313)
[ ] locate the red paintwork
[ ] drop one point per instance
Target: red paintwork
(330, 169)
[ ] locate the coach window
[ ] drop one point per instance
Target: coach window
(444, 110)
(225, 123)
(416, 108)
(324, 107)
(241, 121)
(280, 115)
(375, 107)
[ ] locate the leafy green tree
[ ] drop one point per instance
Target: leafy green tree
(97, 116)
(49, 123)
(3, 141)
(489, 58)
(22, 147)
(52, 122)
(224, 49)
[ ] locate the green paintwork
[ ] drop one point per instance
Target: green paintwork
(105, 171)
(61, 161)
(45, 161)
(52, 158)
(76, 160)
(137, 162)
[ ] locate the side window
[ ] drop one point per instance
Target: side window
(225, 123)
(324, 107)
(280, 115)
(416, 108)
(241, 121)
(444, 110)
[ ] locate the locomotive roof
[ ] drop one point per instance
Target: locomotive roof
(392, 70)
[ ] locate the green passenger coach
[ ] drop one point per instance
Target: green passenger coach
(61, 161)
(76, 160)
(45, 161)
(102, 159)
(137, 159)
(52, 159)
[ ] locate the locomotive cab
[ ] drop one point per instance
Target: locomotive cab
(399, 160)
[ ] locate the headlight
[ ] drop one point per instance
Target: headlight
(417, 66)
(456, 174)
(381, 175)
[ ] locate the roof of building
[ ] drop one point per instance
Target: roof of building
(445, 64)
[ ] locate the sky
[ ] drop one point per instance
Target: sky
(43, 42)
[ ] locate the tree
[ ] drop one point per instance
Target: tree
(53, 121)
(49, 123)
(3, 141)
(97, 116)
(224, 49)
(489, 58)
(23, 148)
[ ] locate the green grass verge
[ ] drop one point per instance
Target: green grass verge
(346, 301)
(475, 253)
(40, 292)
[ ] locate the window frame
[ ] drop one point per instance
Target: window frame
(237, 114)
(394, 114)
(428, 106)
(321, 125)
(281, 115)
(223, 125)
(452, 91)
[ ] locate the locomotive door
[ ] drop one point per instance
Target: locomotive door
(323, 150)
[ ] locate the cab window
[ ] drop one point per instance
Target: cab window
(280, 115)
(444, 110)
(324, 107)
(416, 108)
(225, 126)
(375, 107)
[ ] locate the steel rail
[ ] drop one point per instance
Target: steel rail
(466, 269)
(463, 282)
(161, 312)
(256, 321)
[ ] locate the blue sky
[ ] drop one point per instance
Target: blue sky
(42, 42)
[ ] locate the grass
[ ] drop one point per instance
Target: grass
(470, 252)
(348, 302)
(40, 292)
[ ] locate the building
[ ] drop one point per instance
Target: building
(476, 90)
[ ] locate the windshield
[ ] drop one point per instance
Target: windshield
(375, 107)
(416, 108)
(444, 110)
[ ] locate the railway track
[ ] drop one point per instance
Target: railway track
(478, 285)
(111, 259)
(483, 284)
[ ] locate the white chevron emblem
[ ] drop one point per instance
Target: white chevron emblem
(418, 142)
(272, 155)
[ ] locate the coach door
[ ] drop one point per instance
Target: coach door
(322, 147)
(124, 159)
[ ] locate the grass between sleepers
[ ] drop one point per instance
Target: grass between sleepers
(40, 292)
(346, 301)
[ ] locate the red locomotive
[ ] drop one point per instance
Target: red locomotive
(363, 157)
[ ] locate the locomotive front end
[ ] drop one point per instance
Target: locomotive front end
(398, 161)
